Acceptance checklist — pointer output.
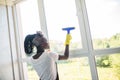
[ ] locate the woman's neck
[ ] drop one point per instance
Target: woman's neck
(37, 55)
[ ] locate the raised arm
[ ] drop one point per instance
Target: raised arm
(66, 52)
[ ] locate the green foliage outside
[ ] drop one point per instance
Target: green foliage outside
(113, 41)
(112, 61)
(115, 64)
(103, 61)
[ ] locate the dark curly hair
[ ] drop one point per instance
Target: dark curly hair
(28, 45)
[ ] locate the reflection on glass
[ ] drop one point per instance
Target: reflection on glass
(104, 17)
(74, 69)
(108, 67)
(60, 14)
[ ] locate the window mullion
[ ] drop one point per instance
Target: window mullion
(81, 24)
(87, 34)
(42, 18)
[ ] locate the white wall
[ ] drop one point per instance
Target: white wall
(9, 67)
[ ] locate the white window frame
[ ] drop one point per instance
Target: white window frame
(19, 42)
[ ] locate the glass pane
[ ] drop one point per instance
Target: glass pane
(30, 24)
(74, 69)
(108, 67)
(32, 74)
(60, 14)
(29, 17)
(104, 17)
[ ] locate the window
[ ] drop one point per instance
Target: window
(61, 14)
(29, 17)
(95, 40)
(108, 66)
(74, 69)
(30, 24)
(104, 17)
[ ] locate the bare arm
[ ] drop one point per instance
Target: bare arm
(66, 53)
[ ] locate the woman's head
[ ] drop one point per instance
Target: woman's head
(35, 40)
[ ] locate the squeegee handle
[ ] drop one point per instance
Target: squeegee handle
(68, 31)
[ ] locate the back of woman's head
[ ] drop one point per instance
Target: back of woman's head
(28, 45)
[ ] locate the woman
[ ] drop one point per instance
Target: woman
(44, 61)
